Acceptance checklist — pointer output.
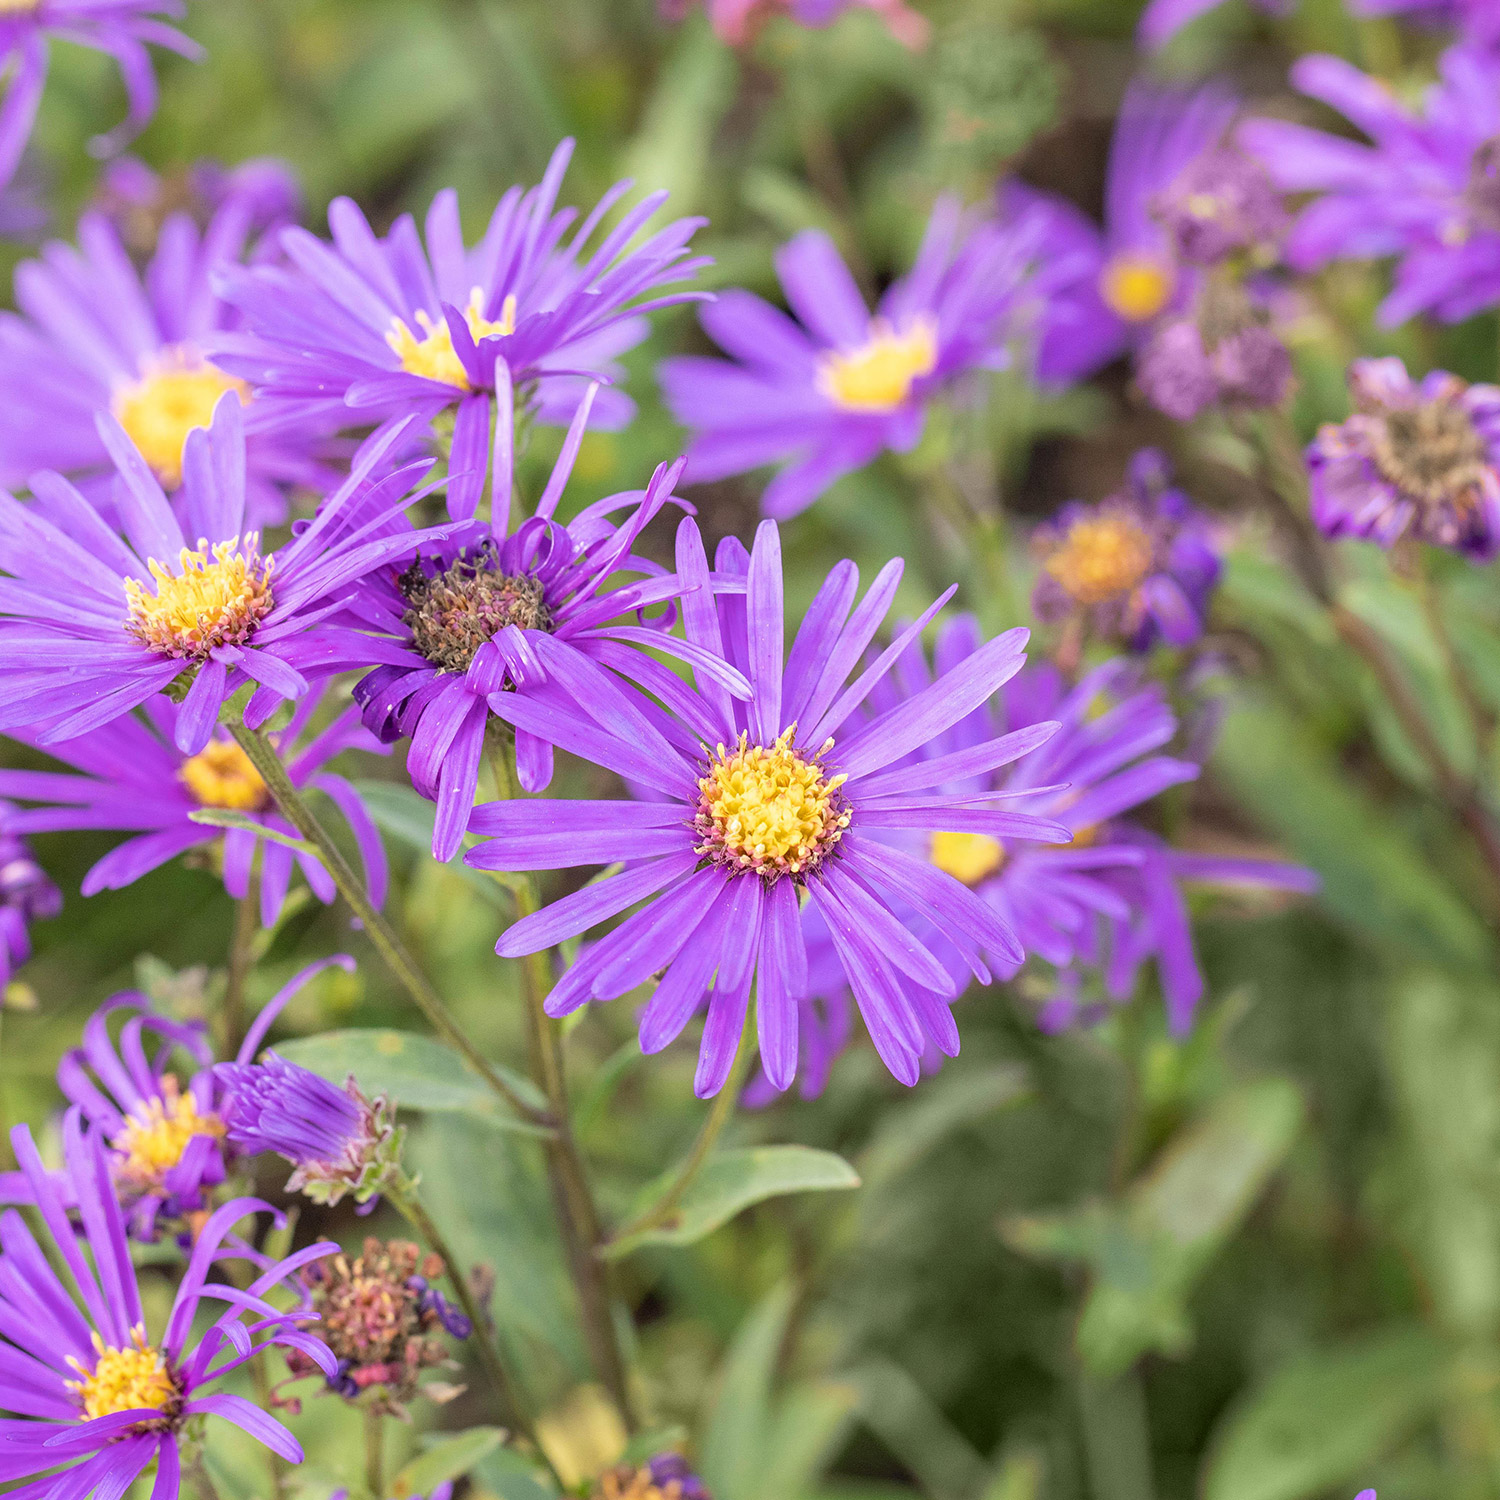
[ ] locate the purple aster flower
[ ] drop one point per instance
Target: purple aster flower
(1163, 19)
(95, 1397)
(163, 1130)
(665, 1477)
(26, 895)
(133, 777)
(1478, 20)
(462, 621)
(1425, 190)
(823, 395)
(1419, 460)
(1139, 567)
(120, 28)
(778, 808)
(96, 624)
(365, 328)
(1127, 275)
(94, 338)
(736, 20)
(339, 1141)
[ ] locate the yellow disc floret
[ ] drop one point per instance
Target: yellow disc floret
(769, 809)
(432, 356)
(216, 597)
(177, 392)
(968, 857)
(221, 775)
(878, 376)
(135, 1378)
(1102, 557)
(157, 1132)
(1136, 286)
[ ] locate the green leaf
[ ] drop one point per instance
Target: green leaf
(912, 1425)
(404, 814)
(734, 1442)
(1319, 1421)
(730, 1182)
(513, 1476)
(413, 1071)
(224, 817)
(448, 1459)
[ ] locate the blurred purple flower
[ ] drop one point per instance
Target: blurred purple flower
(1419, 460)
(1426, 190)
(823, 395)
(1478, 20)
(735, 20)
(1137, 568)
(736, 834)
(95, 338)
(119, 28)
(1223, 204)
(133, 777)
(26, 896)
(1163, 19)
(364, 329)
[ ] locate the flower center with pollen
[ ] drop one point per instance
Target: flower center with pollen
(878, 376)
(1101, 558)
(455, 612)
(221, 775)
(433, 356)
(769, 809)
(177, 392)
(216, 598)
(1136, 286)
(969, 857)
(135, 1378)
(157, 1132)
(1431, 452)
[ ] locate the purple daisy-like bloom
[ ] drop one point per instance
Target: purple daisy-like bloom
(93, 337)
(1125, 276)
(120, 28)
(366, 328)
(464, 621)
(163, 1131)
(26, 896)
(1417, 459)
(824, 394)
(133, 777)
(95, 624)
(1163, 19)
(1139, 567)
(1425, 190)
(94, 1399)
(736, 20)
(756, 804)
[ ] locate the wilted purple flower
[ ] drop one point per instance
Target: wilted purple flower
(665, 1477)
(1223, 204)
(735, 20)
(339, 1141)
(132, 776)
(1138, 568)
(119, 28)
(94, 338)
(26, 896)
(823, 395)
(1163, 19)
(1426, 190)
(95, 1399)
(365, 328)
(1124, 277)
(776, 809)
(1415, 460)
(464, 620)
(96, 624)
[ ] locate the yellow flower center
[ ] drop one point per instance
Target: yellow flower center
(156, 1133)
(968, 857)
(131, 1379)
(878, 376)
(176, 393)
(216, 598)
(636, 1484)
(1136, 286)
(769, 809)
(1102, 557)
(221, 775)
(17, 7)
(432, 356)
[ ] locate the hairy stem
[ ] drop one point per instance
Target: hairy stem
(264, 758)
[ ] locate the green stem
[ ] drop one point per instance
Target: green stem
(403, 1196)
(719, 1114)
(375, 1452)
(573, 1199)
(264, 758)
